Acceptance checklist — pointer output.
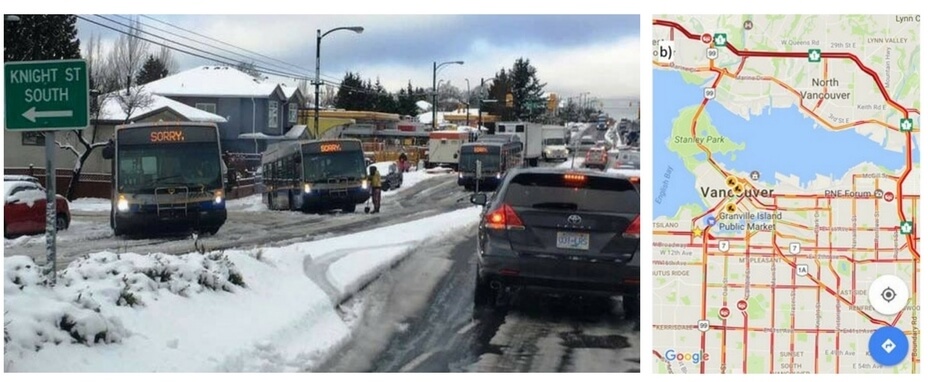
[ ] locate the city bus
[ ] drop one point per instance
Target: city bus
(315, 175)
(496, 156)
(167, 178)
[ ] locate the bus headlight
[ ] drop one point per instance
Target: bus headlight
(498, 175)
(307, 188)
(364, 184)
(218, 197)
(122, 205)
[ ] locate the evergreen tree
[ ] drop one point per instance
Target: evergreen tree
(350, 93)
(527, 91)
(41, 37)
(152, 70)
(385, 101)
(406, 104)
(498, 90)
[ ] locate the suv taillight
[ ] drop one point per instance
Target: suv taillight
(634, 230)
(504, 217)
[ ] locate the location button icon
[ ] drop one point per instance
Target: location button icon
(888, 295)
(888, 346)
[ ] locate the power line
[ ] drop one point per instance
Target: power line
(230, 45)
(276, 72)
(213, 59)
(203, 43)
(221, 59)
(219, 41)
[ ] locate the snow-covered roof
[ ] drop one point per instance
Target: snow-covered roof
(213, 81)
(295, 132)
(290, 90)
(112, 110)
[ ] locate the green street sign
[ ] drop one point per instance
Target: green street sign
(46, 95)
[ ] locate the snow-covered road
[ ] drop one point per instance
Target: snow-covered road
(419, 317)
(249, 223)
(283, 314)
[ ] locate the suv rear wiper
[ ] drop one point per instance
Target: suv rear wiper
(556, 206)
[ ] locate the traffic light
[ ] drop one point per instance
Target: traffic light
(509, 101)
(552, 102)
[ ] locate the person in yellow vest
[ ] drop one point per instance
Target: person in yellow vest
(374, 180)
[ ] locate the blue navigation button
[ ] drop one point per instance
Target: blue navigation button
(888, 346)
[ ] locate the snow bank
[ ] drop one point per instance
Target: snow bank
(95, 294)
(281, 320)
(411, 179)
(251, 203)
(90, 205)
(348, 274)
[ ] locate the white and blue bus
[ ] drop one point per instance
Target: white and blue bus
(167, 178)
(315, 175)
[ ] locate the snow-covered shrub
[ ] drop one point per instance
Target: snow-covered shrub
(37, 314)
(79, 309)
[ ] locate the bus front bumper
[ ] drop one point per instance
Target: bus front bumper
(170, 220)
(334, 198)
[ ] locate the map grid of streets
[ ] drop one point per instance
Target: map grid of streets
(786, 181)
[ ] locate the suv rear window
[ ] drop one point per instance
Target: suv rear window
(596, 193)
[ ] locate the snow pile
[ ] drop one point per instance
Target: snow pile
(251, 203)
(284, 320)
(84, 307)
(91, 205)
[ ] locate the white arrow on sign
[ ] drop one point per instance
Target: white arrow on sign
(31, 114)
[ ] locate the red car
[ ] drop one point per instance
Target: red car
(24, 209)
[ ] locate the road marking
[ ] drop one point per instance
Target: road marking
(416, 362)
(468, 327)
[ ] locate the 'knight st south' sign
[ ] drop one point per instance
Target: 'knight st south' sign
(46, 95)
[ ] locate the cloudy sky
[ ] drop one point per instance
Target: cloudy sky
(573, 53)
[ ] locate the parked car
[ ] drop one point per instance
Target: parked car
(390, 176)
(596, 157)
(21, 178)
(24, 209)
(559, 230)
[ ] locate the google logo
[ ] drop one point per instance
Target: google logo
(670, 355)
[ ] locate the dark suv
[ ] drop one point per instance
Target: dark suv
(559, 230)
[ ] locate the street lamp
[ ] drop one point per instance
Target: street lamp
(467, 119)
(435, 67)
(319, 36)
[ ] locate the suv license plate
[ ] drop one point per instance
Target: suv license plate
(573, 240)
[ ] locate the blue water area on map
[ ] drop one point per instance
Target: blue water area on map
(794, 144)
(780, 140)
(674, 186)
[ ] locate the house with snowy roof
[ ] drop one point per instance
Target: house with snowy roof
(252, 106)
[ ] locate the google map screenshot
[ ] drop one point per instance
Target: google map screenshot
(786, 189)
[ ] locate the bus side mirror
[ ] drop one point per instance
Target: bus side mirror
(108, 152)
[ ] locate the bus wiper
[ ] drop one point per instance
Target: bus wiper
(556, 206)
(159, 180)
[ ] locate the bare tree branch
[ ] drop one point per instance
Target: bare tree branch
(68, 147)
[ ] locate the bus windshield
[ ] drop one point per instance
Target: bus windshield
(489, 162)
(142, 168)
(343, 164)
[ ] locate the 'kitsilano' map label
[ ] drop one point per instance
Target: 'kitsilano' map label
(786, 188)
